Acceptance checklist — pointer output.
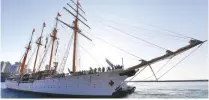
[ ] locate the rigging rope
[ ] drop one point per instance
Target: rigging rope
(173, 36)
(183, 36)
(56, 54)
(45, 52)
(168, 30)
(175, 64)
(90, 55)
(115, 46)
(159, 32)
(64, 28)
(22, 57)
(160, 68)
(137, 73)
(180, 61)
(31, 56)
(132, 77)
(62, 65)
(133, 36)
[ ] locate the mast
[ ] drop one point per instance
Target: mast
(53, 37)
(22, 65)
(75, 37)
(38, 45)
(75, 28)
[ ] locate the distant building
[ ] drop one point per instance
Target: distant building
(3, 67)
(2, 63)
(14, 67)
(7, 66)
(17, 65)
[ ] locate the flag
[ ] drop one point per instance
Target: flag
(44, 25)
(58, 14)
(33, 30)
(78, 2)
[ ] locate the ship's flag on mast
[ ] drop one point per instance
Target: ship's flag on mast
(78, 3)
(33, 30)
(58, 14)
(44, 25)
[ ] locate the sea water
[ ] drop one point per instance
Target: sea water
(143, 90)
(170, 90)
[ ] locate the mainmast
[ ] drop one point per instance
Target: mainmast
(53, 37)
(75, 38)
(38, 45)
(22, 65)
(75, 28)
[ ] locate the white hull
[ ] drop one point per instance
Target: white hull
(91, 84)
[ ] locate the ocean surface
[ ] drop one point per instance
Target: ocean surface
(143, 90)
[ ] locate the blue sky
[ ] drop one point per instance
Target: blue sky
(187, 17)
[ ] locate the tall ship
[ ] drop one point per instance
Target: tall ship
(101, 81)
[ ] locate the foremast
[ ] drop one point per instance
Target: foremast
(38, 42)
(22, 65)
